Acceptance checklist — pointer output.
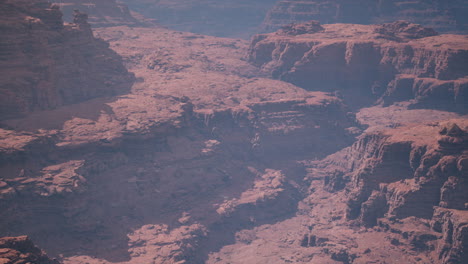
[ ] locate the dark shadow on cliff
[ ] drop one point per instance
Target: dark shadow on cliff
(56, 118)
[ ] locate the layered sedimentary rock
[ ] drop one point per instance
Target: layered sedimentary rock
(16, 250)
(46, 64)
(394, 62)
(407, 172)
(224, 18)
(206, 160)
(102, 13)
(442, 15)
(199, 140)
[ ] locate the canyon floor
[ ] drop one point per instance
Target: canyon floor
(209, 160)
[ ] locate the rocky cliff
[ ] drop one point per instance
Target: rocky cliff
(394, 62)
(441, 15)
(15, 250)
(207, 160)
(415, 173)
(102, 13)
(45, 63)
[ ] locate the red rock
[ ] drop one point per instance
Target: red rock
(46, 64)
(16, 250)
(441, 15)
(394, 62)
(102, 13)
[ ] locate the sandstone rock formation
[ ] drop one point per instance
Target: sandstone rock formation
(443, 16)
(394, 62)
(207, 160)
(18, 250)
(46, 64)
(102, 13)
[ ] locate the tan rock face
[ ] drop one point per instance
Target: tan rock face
(393, 62)
(441, 15)
(207, 160)
(46, 64)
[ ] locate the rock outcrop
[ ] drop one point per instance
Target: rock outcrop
(206, 160)
(19, 250)
(441, 15)
(394, 62)
(45, 64)
(408, 172)
(102, 13)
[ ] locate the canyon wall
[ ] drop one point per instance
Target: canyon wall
(392, 62)
(102, 13)
(441, 15)
(46, 64)
(22, 250)
(416, 172)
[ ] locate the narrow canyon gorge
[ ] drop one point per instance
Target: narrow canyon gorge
(337, 133)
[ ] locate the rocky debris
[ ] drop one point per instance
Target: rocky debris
(410, 62)
(427, 176)
(300, 29)
(441, 15)
(179, 143)
(212, 163)
(46, 64)
(102, 13)
(21, 250)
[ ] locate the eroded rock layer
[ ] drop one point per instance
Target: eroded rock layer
(102, 13)
(45, 63)
(394, 62)
(444, 16)
(18, 250)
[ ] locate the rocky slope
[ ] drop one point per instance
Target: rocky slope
(391, 62)
(233, 18)
(444, 16)
(199, 140)
(102, 13)
(46, 64)
(206, 160)
(17, 250)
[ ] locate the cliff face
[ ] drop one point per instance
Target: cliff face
(198, 140)
(393, 62)
(22, 250)
(46, 64)
(223, 18)
(102, 13)
(408, 172)
(206, 160)
(441, 15)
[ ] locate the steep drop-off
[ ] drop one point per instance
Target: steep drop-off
(205, 160)
(444, 16)
(391, 62)
(18, 250)
(45, 64)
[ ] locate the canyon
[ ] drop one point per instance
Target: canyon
(441, 15)
(318, 143)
